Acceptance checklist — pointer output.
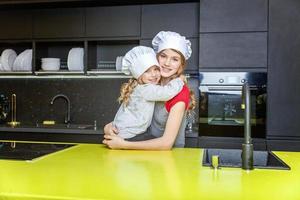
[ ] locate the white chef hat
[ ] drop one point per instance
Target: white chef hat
(138, 60)
(171, 40)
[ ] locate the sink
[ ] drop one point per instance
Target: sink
(66, 126)
(233, 158)
(28, 151)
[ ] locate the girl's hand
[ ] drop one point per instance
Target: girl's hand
(109, 129)
(113, 141)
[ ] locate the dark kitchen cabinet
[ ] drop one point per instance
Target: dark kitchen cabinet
(16, 24)
(58, 23)
(233, 15)
(181, 18)
(191, 142)
(113, 21)
(284, 71)
(192, 63)
(233, 50)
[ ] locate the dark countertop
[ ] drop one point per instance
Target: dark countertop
(57, 128)
(75, 133)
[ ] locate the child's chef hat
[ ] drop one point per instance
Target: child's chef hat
(138, 60)
(171, 40)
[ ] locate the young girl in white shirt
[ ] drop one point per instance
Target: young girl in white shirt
(139, 94)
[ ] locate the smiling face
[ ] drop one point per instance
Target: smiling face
(171, 63)
(152, 75)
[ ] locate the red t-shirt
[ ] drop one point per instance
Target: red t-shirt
(183, 95)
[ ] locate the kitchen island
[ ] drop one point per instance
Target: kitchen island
(91, 171)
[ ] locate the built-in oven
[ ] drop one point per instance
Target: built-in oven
(220, 105)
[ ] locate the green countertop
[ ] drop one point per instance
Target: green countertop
(89, 171)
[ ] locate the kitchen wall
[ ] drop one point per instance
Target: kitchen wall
(91, 98)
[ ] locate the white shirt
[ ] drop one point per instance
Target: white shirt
(136, 117)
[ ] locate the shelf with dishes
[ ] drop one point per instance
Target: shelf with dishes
(16, 57)
(64, 57)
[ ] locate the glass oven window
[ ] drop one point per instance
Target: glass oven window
(221, 113)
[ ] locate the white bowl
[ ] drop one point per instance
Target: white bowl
(50, 64)
(50, 59)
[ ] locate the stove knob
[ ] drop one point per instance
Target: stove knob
(221, 80)
(243, 80)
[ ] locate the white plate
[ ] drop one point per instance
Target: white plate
(27, 61)
(8, 57)
(17, 66)
(75, 59)
(119, 63)
(0, 65)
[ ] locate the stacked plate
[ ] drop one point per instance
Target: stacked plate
(75, 59)
(119, 63)
(23, 61)
(8, 57)
(50, 64)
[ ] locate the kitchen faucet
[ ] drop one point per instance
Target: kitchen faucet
(13, 121)
(247, 147)
(68, 114)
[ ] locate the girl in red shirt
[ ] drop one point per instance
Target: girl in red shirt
(168, 122)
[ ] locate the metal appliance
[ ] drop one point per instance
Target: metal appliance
(220, 106)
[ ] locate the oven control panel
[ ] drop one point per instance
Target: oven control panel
(233, 78)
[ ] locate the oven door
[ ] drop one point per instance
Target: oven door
(221, 112)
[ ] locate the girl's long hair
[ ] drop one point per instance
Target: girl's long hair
(126, 90)
(192, 104)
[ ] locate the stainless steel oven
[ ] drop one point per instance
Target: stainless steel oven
(220, 103)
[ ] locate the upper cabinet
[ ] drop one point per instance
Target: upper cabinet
(103, 33)
(181, 18)
(16, 24)
(284, 70)
(113, 21)
(58, 23)
(233, 15)
(233, 50)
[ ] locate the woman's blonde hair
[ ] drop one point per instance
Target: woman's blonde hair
(126, 90)
(179, 72)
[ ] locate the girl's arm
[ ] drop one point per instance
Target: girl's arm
(164, 142)
(153, 92)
